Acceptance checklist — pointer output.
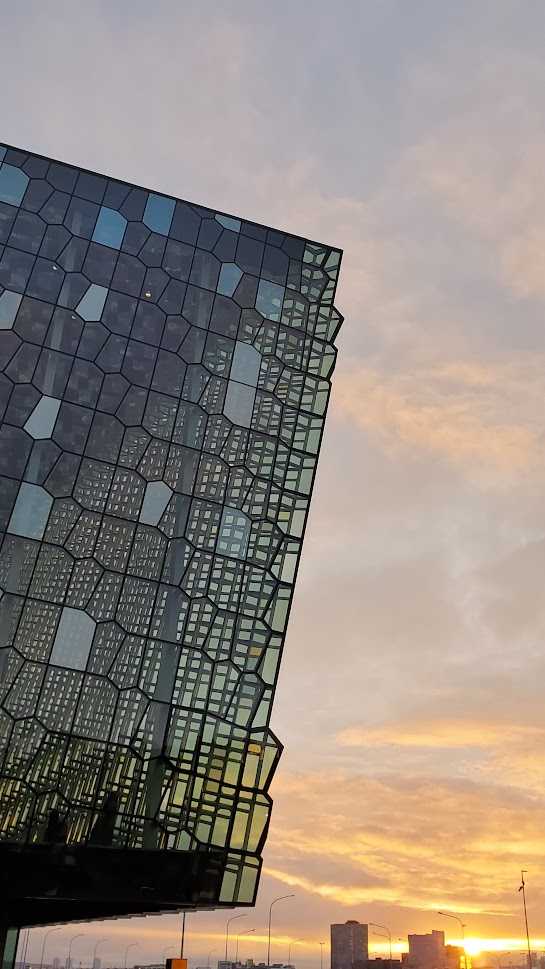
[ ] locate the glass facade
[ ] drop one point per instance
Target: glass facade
(164, 379)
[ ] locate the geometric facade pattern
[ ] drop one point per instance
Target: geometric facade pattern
(164, 379)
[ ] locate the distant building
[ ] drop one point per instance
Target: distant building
(427, 951)
(349, 945)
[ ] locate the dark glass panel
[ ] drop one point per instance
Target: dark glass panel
(15, 447)
(275, 238)
(15, 157)
(154, 284)
(81, 217)
(6, 388)
(15, 269)
(52, 372)
(61, 176)
(153, 250)
(149, 323)
(294, 247)
(72, 427)
(36, 167)
(254, 231)
(60, 482)
(84, 383)
(225, 316)
(55, 208)
(72, 257)
(33, 318)
(134, 205)
(173, 297)
(104, 441)
(93, 338)
(118, 312)
(178, 259)
(8, 345)
(139, 363)
(249, 255)
(23, 364)
(198, 306)
(175, 330)
(226, 246)
(36, 195)
(65, 331)
(114, 389)
(246, 291)
(169, 373)
(73, 289)
(55, 239)
(192, 347)
(116, 193)
(129, 275)
(8, 493)
(275, 265)
(205, 269)
(46, 280)
(7, 218)
(100, 264)
(134, 238)
(209, 234)
(185, 224)
(22, 402)
(91, 187)
(131, 410)
(110, 358)
(42, 459)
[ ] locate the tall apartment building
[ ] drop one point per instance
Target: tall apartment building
(427, 951)
(349, 945)
(164, 379)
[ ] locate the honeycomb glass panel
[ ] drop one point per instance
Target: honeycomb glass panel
(165, 375)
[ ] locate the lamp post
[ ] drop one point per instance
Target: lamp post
(247, 932)
(449, 915)
(130, 946)
(274, 901)
(227, 930)
(49, 931)
(289, 949)
(208, 957)
(321, 944)
(387, 936)
(73, 939)
(100, 941)
(168, 948)
(499, 957)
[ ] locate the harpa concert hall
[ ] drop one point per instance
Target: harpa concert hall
(164, 380)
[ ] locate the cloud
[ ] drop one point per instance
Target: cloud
(444, 733)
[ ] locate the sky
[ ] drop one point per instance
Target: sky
(411, 134)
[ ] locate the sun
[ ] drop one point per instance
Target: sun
(474, 947)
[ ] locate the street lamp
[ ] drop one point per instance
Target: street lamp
(100, 941)
(208, 957)
(168, 948)
(387, 936)
(497, 957)
(49, 931)
(73, 939)
(289, 949)
(321, 944)
(464, 927)
(130, 946)
(227, 930)
(274, 901)
(247, 932)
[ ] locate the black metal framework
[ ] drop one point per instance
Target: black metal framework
(163, 389)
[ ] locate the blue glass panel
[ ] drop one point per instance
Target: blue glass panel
(228, 223)
(3, 151)
(13, 183)
(270, 297)
(41, 422)
(158, 214)
(230, 276)
(31, 511)
(9, 304)
(73, 640)
(239, 403)
(110, 228)
(92, 304)
(246, 364)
